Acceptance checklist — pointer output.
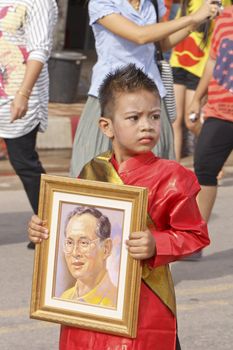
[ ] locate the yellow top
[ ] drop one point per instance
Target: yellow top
(191, 54)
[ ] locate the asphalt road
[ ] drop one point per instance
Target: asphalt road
(204, 289)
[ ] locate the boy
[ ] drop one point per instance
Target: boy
(130, 113)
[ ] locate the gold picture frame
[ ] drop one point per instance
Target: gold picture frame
(126, 208)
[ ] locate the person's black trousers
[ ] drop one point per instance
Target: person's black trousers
(178, 347)
(25, 161)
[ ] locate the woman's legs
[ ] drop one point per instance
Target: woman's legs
(213, 147)
(189, 139)
(25, 161)
(177, 125)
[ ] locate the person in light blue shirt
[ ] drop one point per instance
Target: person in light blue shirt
(120, 51)
(125, 32)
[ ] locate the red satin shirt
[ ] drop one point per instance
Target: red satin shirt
(180, 231)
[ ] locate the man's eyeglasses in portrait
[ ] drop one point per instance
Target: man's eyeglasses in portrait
(84, 244)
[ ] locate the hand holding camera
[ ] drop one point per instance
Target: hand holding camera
(219, 3)
(219, 7)
(193, 117)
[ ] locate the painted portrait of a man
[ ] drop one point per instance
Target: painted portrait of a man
(83, 275)
(86, 248)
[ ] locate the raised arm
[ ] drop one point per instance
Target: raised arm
(179, 35)
(126, 29)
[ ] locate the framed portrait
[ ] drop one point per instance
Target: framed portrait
(83, 275)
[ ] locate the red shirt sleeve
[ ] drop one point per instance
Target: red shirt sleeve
(184, 231)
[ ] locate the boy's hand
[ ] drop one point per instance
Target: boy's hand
(37, 230)
(141, 245)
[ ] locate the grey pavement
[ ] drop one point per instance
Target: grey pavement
(204, 289)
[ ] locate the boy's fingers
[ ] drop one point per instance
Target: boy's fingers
(36, 239)
(37, 229)
(141, 250)
(37, 224)
(134, 242)
(37, 232)
(136, 238)
(137, 235)
(35, 219)
(137, 250)
(138, 256)
(141, 254)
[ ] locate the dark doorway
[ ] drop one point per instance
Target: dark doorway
(78, 32)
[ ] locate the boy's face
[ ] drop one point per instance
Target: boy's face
(135, 126)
